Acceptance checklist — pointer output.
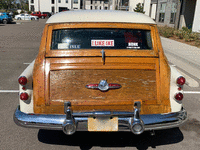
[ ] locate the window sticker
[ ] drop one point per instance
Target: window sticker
(63, 45)
(67, 46)
(74, 46)
(133, 45)
(100, 43)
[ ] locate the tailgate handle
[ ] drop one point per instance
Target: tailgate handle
(103, 56)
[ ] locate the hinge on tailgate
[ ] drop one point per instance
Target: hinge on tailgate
(103, 56)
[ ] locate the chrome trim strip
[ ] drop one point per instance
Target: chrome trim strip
(55, 122)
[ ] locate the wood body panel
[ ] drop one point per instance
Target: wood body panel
(165, 74)
(49, 61)
(39, 73)
(145, 109)
(69, 85)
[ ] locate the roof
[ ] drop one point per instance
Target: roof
(100, 16)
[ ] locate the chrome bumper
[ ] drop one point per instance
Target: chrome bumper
(55, 122)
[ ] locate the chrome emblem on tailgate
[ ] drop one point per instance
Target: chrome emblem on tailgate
(103, 86)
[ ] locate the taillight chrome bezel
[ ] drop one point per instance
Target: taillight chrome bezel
(178, 93)
(24, 99)
(21, 83)
(180, 83)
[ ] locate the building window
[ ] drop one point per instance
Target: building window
(90, 1)
(63, 9)
(75, 1)
(52, 9)
(32, 1)
(106, 1)
(52, 1)
(66, 1)
(162, 12)
(32, 8)
(91, 7)
(59, 1)
(173, 13)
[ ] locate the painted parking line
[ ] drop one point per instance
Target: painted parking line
(9, 91)
(189, 81)
(26, 63)
(191, 92)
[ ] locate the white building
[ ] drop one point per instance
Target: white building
(173, 13)
(176, 13)
(53, 6)
(61, 5)
(127, 5)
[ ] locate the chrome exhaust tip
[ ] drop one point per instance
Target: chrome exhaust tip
(69, 127)
(137, 128)
(136, 123)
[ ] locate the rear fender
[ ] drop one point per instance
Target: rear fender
(27, 106)
(175, 105)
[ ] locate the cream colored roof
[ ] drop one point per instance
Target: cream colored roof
(100, 16)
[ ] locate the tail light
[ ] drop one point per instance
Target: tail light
(24, 96)
(180, 80)
(179, 96)
(22, 80)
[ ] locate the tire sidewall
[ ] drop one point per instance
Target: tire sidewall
(5, 21)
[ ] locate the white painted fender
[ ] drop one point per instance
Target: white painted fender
(27, 106)
(175, 105)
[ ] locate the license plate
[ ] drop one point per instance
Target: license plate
(103, 124)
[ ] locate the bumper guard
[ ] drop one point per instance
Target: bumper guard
(127, 121)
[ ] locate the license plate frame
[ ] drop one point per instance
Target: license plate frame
(104, 124)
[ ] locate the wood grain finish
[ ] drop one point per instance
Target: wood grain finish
(69, 85)
(39, 74)
(164, 74)
(51, 84)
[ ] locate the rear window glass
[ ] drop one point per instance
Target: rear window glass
(101, 39)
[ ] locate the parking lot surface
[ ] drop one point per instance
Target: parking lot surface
(19, 45)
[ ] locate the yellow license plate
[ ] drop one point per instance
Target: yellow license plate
(103, 124)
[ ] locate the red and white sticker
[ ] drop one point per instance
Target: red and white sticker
(106, 43)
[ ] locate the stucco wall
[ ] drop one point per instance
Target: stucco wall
(133, 3)
(147, 4)
(167, 12)
(196, 23)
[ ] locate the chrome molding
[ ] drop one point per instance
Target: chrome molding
(103, 86)
(55, 122)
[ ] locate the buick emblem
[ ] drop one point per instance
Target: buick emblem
(103, 86)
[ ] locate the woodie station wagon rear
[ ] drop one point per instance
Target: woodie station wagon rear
(100, 71)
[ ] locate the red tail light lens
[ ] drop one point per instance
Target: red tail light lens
(180, 81)
(24, 96)
(22, 80)
(179, 96)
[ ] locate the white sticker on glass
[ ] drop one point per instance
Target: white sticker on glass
(106, 43)
(63, 45)
(133, 45)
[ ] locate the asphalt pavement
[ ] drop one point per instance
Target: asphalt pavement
(19, 45)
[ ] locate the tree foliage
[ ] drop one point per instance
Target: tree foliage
(9, 4)
(139, 8)
(6, 4)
